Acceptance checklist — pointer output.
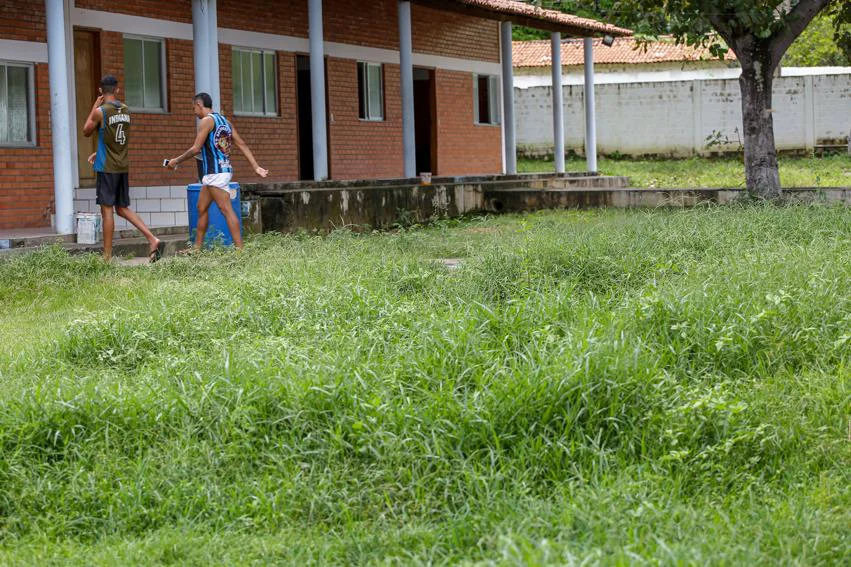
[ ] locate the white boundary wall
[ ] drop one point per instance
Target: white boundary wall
(675, 118)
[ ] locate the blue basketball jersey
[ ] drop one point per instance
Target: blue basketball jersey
(215, 156)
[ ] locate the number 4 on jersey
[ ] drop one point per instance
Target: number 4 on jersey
(120, 135)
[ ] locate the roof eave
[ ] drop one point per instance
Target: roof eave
(598, 29)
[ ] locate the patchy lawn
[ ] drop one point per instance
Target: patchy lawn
(594, 387)
(831, 171)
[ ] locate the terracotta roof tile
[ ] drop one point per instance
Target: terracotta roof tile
(529, 15)
(624, 51)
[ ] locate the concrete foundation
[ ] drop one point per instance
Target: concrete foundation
(362, 205)
(372, 204)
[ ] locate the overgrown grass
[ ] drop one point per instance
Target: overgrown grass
(590, 387)
(830, 171)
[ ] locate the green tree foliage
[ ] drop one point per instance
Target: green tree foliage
(760, 32)
(826, 42)
(817, 46)
(597, 9)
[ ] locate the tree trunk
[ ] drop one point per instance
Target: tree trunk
(761, 171)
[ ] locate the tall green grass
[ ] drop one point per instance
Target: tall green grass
(590, 387)
(699, 173)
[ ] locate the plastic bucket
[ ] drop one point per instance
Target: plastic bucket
(217, 231)
(88, 227)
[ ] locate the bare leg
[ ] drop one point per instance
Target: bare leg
(204, 201)
(135, 220)
(108, 228)
(222, 199)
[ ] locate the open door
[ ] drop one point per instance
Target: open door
(425, 120)
(86, 77)
(305, 118)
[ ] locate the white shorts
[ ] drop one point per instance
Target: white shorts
(219, 181)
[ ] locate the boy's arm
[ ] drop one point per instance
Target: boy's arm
(246, 151)
(94, 118)
(205, 126)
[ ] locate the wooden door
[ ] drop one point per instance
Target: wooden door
(86, 77)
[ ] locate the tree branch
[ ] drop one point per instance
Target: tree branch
(722, 26)
(796, 22)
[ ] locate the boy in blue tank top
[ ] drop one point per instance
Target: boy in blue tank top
(215, 138)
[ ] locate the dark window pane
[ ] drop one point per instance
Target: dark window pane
(376, 107)
(362, 90)
(247, 97)
(4, 105)
(271, 83)
(257, 77)
(153, 75)
(133, 81)
(494, 100)
(18, 94)
(484, 100)
(236, 76)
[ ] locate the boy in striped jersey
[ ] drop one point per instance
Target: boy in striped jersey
(214, 140)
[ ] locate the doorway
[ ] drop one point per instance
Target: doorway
(86, 77)
(425, 120)
(305, 118)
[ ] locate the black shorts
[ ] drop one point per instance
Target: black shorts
(113, 189)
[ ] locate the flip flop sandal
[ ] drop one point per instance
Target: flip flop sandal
(156, 254)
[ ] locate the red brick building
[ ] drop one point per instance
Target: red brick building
(263, 80)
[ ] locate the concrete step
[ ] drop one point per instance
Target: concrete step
(13, 242)
(121, 248)
(563, 184)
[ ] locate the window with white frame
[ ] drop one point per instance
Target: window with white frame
(486, 99)
(17, 105)
(255, 82)
(144, 74)
(371, 91)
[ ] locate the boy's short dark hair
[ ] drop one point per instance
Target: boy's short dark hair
(109, 83)
(205, 99)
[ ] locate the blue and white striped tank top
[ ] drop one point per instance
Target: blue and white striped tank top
(215, 156)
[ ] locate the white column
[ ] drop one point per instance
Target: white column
(697, 115)
(72, 94)
(409, 141)
(558, 103)
(60, 116)
(213, 38)
(201, 45)
(809, 113)
(590, 109)
(317, 90)
(508, 99)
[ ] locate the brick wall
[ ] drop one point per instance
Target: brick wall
(454, 35)
(362, 149)
(172, 10)
(273, 140)
(155, 136)
(370, 24)
(26, 174)
(358, 149)
(463, 147)
(23, 21)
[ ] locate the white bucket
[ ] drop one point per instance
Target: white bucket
(88, 226)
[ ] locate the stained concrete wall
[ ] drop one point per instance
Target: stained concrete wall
(288, 207)
(676, 118)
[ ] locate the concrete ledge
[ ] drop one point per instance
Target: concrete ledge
(518, 200)
(286, 207)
